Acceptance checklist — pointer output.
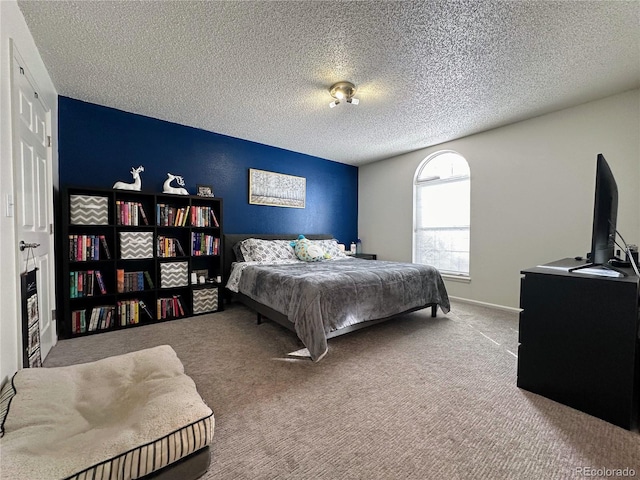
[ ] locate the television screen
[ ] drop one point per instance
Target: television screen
(605, 212)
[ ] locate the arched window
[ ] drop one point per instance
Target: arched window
(442, 213)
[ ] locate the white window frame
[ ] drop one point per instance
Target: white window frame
(417, 183)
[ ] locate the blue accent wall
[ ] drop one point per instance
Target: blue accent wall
(99, 145)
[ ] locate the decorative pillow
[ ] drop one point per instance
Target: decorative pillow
(330, 247)
(308, 251)
(257, 250)
(6, 395)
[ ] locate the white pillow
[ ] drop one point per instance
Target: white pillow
(258, 250)
(330, 247)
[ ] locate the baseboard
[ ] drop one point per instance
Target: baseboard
(485, 304)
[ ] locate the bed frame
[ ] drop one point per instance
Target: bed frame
(265, 312)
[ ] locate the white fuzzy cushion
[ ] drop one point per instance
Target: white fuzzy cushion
(120, 417)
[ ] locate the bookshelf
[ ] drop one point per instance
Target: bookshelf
(132, 258)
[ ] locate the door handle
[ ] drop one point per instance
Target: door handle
(24, 246)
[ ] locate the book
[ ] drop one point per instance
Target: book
(105, 247)
(102, 315)
(80, 283)
(149, 280)
(93, 321)
(75, 320)
(101, 285)
(145, 220)
(125, 213)
(179, 305)
(108, 321)
(214, 218)
(120, 280)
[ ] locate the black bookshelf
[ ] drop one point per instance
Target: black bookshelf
(128, 259)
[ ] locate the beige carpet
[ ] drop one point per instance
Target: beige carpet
(415, 398)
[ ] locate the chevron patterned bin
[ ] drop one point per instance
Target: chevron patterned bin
(89, 210)
(136, 245)
(205, 300)
(174, 274)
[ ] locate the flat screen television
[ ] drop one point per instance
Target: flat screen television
(605, 212)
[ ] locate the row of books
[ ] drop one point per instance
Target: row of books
(168, 216)
(203, 244)
(198, 216)
(202, 216)
(129, 312)
(133, 281)
(169, 307)
(87, 247)
(169, 247)
(83, 283)
(101, 318)
(130, 213)
(126, 312)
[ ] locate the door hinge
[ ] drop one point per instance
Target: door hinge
(48, 140)
(51, 229)
(53, 315)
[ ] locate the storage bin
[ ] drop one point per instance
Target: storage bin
(89, 210)
(205, 300)
(136, 245)
(174, 274)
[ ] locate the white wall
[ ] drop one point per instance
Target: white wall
(13, 26)
(532, 190)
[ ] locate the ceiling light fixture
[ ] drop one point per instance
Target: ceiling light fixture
(343, 91)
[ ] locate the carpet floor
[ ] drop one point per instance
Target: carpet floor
(413, 398)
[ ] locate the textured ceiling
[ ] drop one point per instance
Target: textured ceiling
(426, 71)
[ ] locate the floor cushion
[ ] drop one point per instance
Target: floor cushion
(121, 417)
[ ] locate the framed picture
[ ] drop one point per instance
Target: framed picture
(205, 190)
(30, 320)
(276, 189)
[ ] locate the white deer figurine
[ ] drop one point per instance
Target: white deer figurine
(137, 183)
(167, 188)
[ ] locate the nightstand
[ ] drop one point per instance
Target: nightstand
(366, 256)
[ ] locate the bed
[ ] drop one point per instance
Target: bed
(320, 300)
(131, 416)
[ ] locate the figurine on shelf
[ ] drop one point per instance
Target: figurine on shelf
(137, 183)
(167, 188)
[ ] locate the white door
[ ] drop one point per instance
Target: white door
(33, 192)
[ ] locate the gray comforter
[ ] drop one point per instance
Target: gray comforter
(320, 297)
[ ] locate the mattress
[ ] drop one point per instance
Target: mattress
(322, 297)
